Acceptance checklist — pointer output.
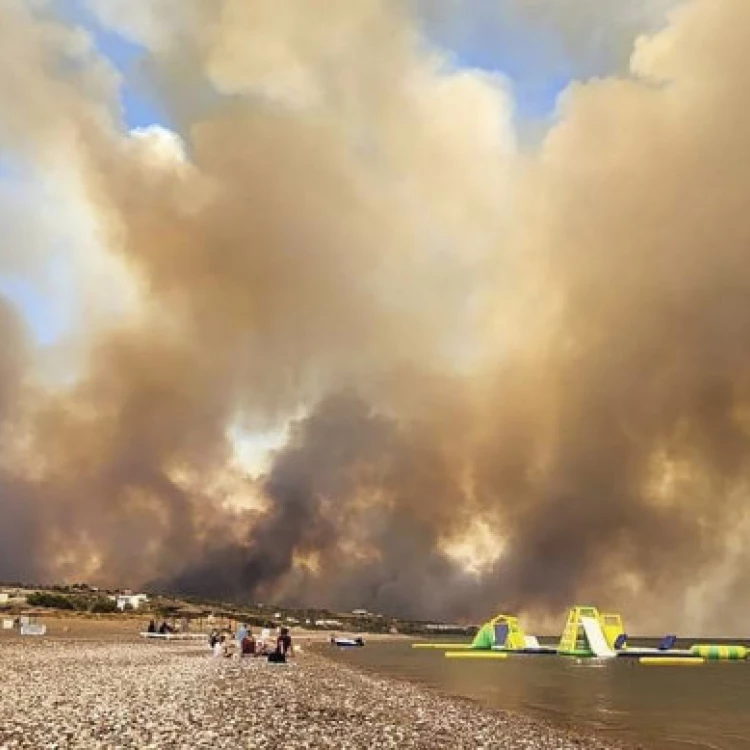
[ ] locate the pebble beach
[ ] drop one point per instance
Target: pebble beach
(67, 693)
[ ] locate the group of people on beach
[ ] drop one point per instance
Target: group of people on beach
(243, 644)
(162, 629)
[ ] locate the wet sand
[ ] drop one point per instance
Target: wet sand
(64, 692)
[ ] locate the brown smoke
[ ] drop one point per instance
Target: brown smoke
(19, 527)
(545, 350)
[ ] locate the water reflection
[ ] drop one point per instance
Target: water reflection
(662, 708)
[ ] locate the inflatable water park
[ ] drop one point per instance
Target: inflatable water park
(588, 634)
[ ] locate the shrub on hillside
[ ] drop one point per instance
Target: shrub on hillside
(102, 605)
(52, 601)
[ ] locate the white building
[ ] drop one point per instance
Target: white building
(328, 624)
(134, 600)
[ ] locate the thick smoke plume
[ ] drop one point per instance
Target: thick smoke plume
(507, 379)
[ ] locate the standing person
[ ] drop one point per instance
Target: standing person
(284, 648)
(240, 636)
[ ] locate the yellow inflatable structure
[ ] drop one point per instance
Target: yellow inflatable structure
(590, 633)
(502, 633)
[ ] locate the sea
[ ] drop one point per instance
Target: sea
(659, 708)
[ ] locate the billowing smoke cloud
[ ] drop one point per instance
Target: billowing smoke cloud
(19, 527)
(509, 380)
(363, 503)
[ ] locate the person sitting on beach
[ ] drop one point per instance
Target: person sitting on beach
(152, 626)
(247, 645)
(284, 648)
(261, 642)
(224, 645)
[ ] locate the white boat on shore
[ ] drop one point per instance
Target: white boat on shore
(176, 636)
(348, 642)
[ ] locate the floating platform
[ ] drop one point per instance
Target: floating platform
(671, 661)
(639, 653)
(538, 651)
(474, 654)
(588, 634)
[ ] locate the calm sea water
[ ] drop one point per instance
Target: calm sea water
(664, 708)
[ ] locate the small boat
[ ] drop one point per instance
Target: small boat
(347, 642)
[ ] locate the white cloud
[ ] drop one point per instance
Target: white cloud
(161, 144)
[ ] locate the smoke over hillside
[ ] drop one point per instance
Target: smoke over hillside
(508, 379)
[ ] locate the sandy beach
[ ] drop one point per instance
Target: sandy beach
(64, 692)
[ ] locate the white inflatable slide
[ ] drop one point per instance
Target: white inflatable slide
(595, 636)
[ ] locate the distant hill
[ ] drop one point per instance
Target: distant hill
(16, 598)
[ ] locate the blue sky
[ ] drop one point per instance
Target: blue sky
(49, 317)
(47, 322)
(519, 56)
(139, 107)
(531, 60)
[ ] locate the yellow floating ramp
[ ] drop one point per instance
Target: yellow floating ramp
(476, 655)
(671, 661)
(442, 646)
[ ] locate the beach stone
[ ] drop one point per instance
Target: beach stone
(63, 694)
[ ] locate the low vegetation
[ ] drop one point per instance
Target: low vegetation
(88, 599)
(76, 603)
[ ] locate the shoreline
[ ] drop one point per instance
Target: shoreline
(74, 625)
(81, 694)
(581, 738)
